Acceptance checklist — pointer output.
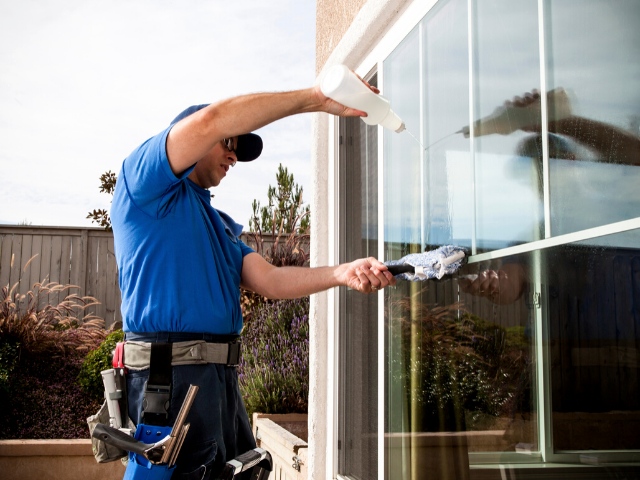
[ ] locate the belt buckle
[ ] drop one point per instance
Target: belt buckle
(156, 400)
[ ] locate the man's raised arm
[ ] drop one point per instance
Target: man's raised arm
(191, 138)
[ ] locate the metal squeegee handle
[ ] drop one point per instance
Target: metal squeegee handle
(176, 431)
(152, 452)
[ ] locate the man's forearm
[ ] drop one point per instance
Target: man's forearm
(246, 113)
(192, 138)
(296, 282)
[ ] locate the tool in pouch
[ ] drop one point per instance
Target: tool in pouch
(114, 409)
(154, 449)
(428, 265)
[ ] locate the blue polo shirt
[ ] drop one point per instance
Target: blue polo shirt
(179, 259)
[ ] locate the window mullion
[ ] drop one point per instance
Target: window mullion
(544, 120)
(472, 146)
(381, 294)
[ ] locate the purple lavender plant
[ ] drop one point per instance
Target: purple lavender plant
(274, 370)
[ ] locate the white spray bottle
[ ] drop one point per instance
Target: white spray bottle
(343, 86)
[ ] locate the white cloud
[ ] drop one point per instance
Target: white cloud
(83, 83)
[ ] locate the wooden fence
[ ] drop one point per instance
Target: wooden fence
(70, 256)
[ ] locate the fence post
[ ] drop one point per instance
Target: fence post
(84, 251)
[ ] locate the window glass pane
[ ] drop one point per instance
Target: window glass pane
(358, 317)
(427, 200)
(593, 75)
(448, 207)
(461, 372)
(509, 202)
(402, 153)
(592, 307)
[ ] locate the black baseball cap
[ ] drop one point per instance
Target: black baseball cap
(249, 145)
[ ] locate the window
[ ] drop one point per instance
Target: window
(545, 197)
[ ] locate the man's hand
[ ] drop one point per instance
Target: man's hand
(335, 108)
(366, 275)
(502, 287)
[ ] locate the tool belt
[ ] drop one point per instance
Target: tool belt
(159, 358)
(196, 352)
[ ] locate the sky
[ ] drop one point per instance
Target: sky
(83, 83)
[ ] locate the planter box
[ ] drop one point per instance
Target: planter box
(285, 437)
(54, 460)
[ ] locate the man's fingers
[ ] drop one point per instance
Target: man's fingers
(352, 112)
(373, 89)
(374, 280)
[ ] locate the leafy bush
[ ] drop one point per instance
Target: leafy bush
(274, 370)
(458, 368)
(46, 400)
(41, 351)
(9, 352)
(99, 359)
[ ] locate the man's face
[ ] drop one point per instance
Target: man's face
(213, 167)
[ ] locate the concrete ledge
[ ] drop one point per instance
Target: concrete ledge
(54, 460)
(33, 448)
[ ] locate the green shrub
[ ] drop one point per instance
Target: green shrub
(9, 352)
(45, 400)
(89, 378)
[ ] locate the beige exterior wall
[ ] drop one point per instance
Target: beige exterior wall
(333, 18)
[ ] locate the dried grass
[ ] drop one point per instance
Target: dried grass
(40, 327)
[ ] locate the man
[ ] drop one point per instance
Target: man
(181, 265)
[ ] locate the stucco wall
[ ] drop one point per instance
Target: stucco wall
(333, 18)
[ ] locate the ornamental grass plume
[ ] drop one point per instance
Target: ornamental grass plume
(274, 370)
(39, 327)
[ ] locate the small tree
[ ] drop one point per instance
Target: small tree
(284, 210)
(107, 185)
(284, 215)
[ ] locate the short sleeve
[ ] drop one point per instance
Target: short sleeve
(246, 250)
(148, 175)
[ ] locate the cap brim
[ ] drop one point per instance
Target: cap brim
(249, 147)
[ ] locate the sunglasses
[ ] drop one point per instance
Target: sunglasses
(228, 142)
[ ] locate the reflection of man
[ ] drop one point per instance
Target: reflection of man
(610, 144)
(181, 264)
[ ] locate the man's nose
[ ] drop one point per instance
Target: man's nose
(232, 157)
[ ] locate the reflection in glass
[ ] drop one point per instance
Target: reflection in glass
(593, 65)
(358, 318)
(592, 307)
(509, 202)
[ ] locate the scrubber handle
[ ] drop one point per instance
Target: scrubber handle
(398, 269)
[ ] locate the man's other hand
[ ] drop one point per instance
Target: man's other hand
(502, 287)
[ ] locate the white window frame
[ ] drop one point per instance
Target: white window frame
(374, 61)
